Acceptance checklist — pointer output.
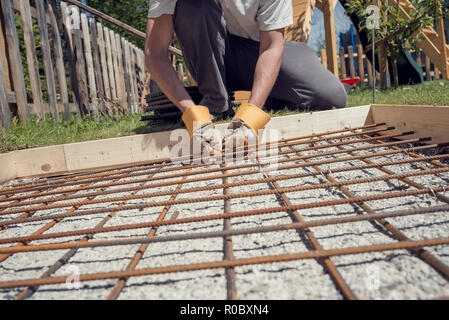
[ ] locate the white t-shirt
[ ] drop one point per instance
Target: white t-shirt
(244, 18)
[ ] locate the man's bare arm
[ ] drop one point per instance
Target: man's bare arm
(268, 65)
(159, 35)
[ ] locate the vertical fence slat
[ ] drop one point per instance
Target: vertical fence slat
(5, 117)
(369, 68)
(436, 73)
(41, 8)
(115, 66)
(89, 64)
(132, 78)
(351, 61)
(428, 71)
(418, 58)
(104, 66)
(107, 39)
(360, 65)
(96, 61)
(59, 60)
(80, 62)
(15, 61)
(343, 63)
(121, 72)
(323, 58)
(70, 53)
(126, 74)
(33, 69)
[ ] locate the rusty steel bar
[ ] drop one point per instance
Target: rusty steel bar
(152, 204)
(335, 275)
(426, 256)
(279, 228)
(232, 263)
(189, 190)
(58, 246)
(199, 172)
(75, 196)
(231, 285)
(213, 170)
(121, 282)
(137, 167)
(66, 257)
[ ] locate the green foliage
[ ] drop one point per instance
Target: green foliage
(400, 32)
(131, 12)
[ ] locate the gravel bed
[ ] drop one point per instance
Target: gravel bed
(397, 274)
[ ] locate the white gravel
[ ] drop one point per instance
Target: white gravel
(382, 275)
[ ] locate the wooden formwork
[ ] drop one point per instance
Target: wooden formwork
(425, 121)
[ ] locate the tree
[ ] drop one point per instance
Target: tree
(396, 31)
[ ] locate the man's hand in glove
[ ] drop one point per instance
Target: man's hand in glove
(244, 128)
(206, 144)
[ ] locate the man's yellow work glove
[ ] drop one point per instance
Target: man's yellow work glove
(245, 126)
(202, 132)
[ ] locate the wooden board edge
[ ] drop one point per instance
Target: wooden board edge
(424, 120)
(141, 149)
(8, 170)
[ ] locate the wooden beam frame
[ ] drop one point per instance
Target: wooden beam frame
(425, 121)
(328, 8)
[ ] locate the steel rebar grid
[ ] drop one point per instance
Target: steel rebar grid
(226, 233)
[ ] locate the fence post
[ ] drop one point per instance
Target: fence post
(89, 64)
(30, 48)
(343, 63)
(41, 6)
(361, 66)
(12, 41)
(323, 57)
(5, 116)
(428, 71)
(351, 61)
(96, 62)
(59, 59)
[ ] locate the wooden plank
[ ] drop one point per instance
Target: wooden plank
(124, 100)
(436, 73)
(4, 54)
(132, 78)
(104, 66)
(134, 75)
(360, 65)
(92, 85)
(343, 63)
(418, 58)
(59, 61)
(97, 63)
(369, 67)
(428, 71)
(15, 59)
(5, 115)
(323, 57)
(126, 74)
(33, 68)
(351, 62)
(40, 161)
(425, 121)
(7, 167)
(70, 53)
(157, 146)
(331, 38)
(80, 63)
(115, 68)
(108, 47)
(41, 7)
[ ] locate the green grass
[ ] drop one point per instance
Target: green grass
(429, 93)
(39, 133)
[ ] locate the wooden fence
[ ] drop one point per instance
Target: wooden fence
(356, 64)
(78, 65)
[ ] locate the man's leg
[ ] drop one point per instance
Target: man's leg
(302, 79)
(201, 31)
